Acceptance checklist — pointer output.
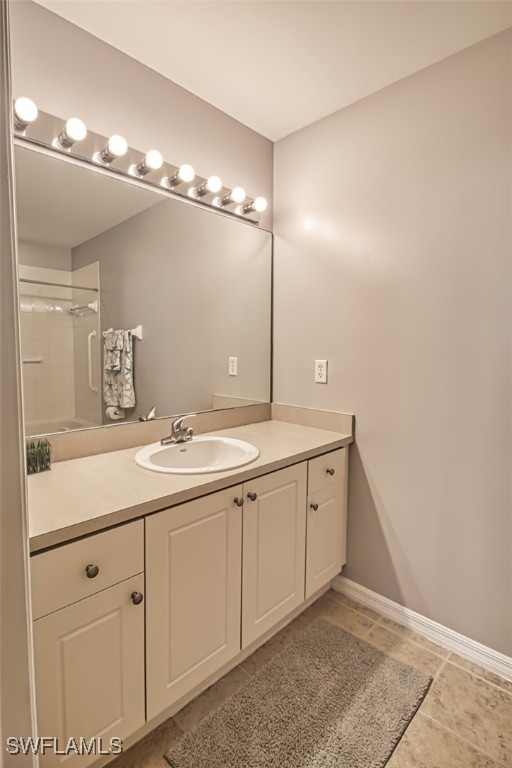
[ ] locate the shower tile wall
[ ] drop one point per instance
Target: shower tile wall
(47, 333)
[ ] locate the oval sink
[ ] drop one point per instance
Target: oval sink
(197, 456)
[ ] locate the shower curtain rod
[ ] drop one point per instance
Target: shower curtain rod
(58, 285)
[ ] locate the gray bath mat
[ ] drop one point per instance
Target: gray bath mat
(328, 700)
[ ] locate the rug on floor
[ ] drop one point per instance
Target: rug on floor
(328, 700)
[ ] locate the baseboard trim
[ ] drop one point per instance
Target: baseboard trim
(470, 649)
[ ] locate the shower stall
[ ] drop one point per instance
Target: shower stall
(60, 348)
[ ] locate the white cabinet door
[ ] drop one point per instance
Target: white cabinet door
(193, 577)
(89, 670)
(326, 522)
(273, 549)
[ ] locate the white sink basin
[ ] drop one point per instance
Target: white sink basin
(197, 456)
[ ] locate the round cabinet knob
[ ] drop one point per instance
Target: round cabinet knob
(330, 471)
(252, 496)
(92, 570)
(314, 507)
(137, 598)
(239, 501)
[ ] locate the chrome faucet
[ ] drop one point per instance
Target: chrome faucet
(179, 433)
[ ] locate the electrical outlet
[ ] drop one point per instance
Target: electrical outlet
(233, 366)
(321, 371)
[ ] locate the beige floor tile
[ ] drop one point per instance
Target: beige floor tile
(149, 751)
(188, 717)
(368, 612)
(426, 744)
(340, 613)
(414, 637)
(474, 709)
(476, 669)
(402, 649)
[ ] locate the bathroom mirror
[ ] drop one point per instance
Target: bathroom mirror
(97, 252)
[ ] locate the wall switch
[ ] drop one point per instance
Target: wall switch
(233, 366)
(321, 371)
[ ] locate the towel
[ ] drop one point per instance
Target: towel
(114, 345)
(118, 389)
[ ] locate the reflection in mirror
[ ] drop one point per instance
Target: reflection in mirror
(99, 254)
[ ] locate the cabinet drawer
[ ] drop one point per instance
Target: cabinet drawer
(59, 576)
(326, 470)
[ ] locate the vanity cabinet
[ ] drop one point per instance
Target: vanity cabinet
(274, 524)
(221, 572)
(89, 648)
(193, 577)
(326, 519)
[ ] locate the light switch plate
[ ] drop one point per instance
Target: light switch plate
(233, 366)
(321, 371)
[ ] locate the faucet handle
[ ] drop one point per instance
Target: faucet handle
(178, 423)
(150, 416)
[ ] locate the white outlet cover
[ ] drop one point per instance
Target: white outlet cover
(233, 366)
(321, 371)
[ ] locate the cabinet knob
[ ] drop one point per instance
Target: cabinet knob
(92, 570)
(330, 471)
(252, 496)
(239, 501)
(137, 598)
(314, 507)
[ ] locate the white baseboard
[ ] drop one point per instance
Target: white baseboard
(470, 649)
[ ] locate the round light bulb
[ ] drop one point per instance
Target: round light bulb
(117, 146)
(25, 110)
(154, 160)
(238, 194)
(186, 173)
(75, 129)
(214, 184)
(260, 204)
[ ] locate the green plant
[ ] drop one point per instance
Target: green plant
(39, 456)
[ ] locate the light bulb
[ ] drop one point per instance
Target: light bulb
(116, 147)
(154, 159)
(74, 130)
(152, 162)
(183, 175)
(186, 173)
(237, 195)
(259, 205)
(25, 112)
(212, 185)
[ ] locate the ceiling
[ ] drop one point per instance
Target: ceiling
(278, 65)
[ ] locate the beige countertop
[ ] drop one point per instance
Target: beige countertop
(85, 495)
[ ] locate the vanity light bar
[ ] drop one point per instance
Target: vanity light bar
(74, 130)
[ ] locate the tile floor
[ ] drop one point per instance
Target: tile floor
(465, 720)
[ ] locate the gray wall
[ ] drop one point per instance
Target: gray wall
(200, 285)
(15, 700)
(393, 260)
(68, 72)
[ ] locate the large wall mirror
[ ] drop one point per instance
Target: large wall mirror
(98, 254)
